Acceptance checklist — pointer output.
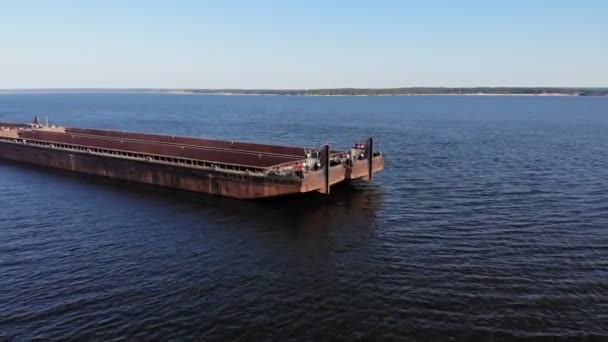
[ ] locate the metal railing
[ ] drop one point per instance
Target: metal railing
(147, 157)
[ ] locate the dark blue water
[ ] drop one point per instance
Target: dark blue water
(489, 222)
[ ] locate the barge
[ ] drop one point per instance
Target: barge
(236, 169)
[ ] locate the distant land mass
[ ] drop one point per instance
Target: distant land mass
(409, 91)
(540, 91)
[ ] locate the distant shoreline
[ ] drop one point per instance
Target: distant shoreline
(410, 91)
(360, 95)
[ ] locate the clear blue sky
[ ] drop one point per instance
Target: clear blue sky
(302, 44)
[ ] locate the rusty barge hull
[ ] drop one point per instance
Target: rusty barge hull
(226, 168)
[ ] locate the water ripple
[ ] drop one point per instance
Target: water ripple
(489, 223)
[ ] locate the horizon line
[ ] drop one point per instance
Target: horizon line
(299, 89)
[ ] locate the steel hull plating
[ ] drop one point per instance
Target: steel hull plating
(218, 183)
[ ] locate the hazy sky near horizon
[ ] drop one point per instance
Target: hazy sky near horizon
(302, 44)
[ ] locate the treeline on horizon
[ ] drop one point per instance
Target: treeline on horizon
(412, 91)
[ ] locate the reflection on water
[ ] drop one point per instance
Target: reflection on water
(348, 203)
